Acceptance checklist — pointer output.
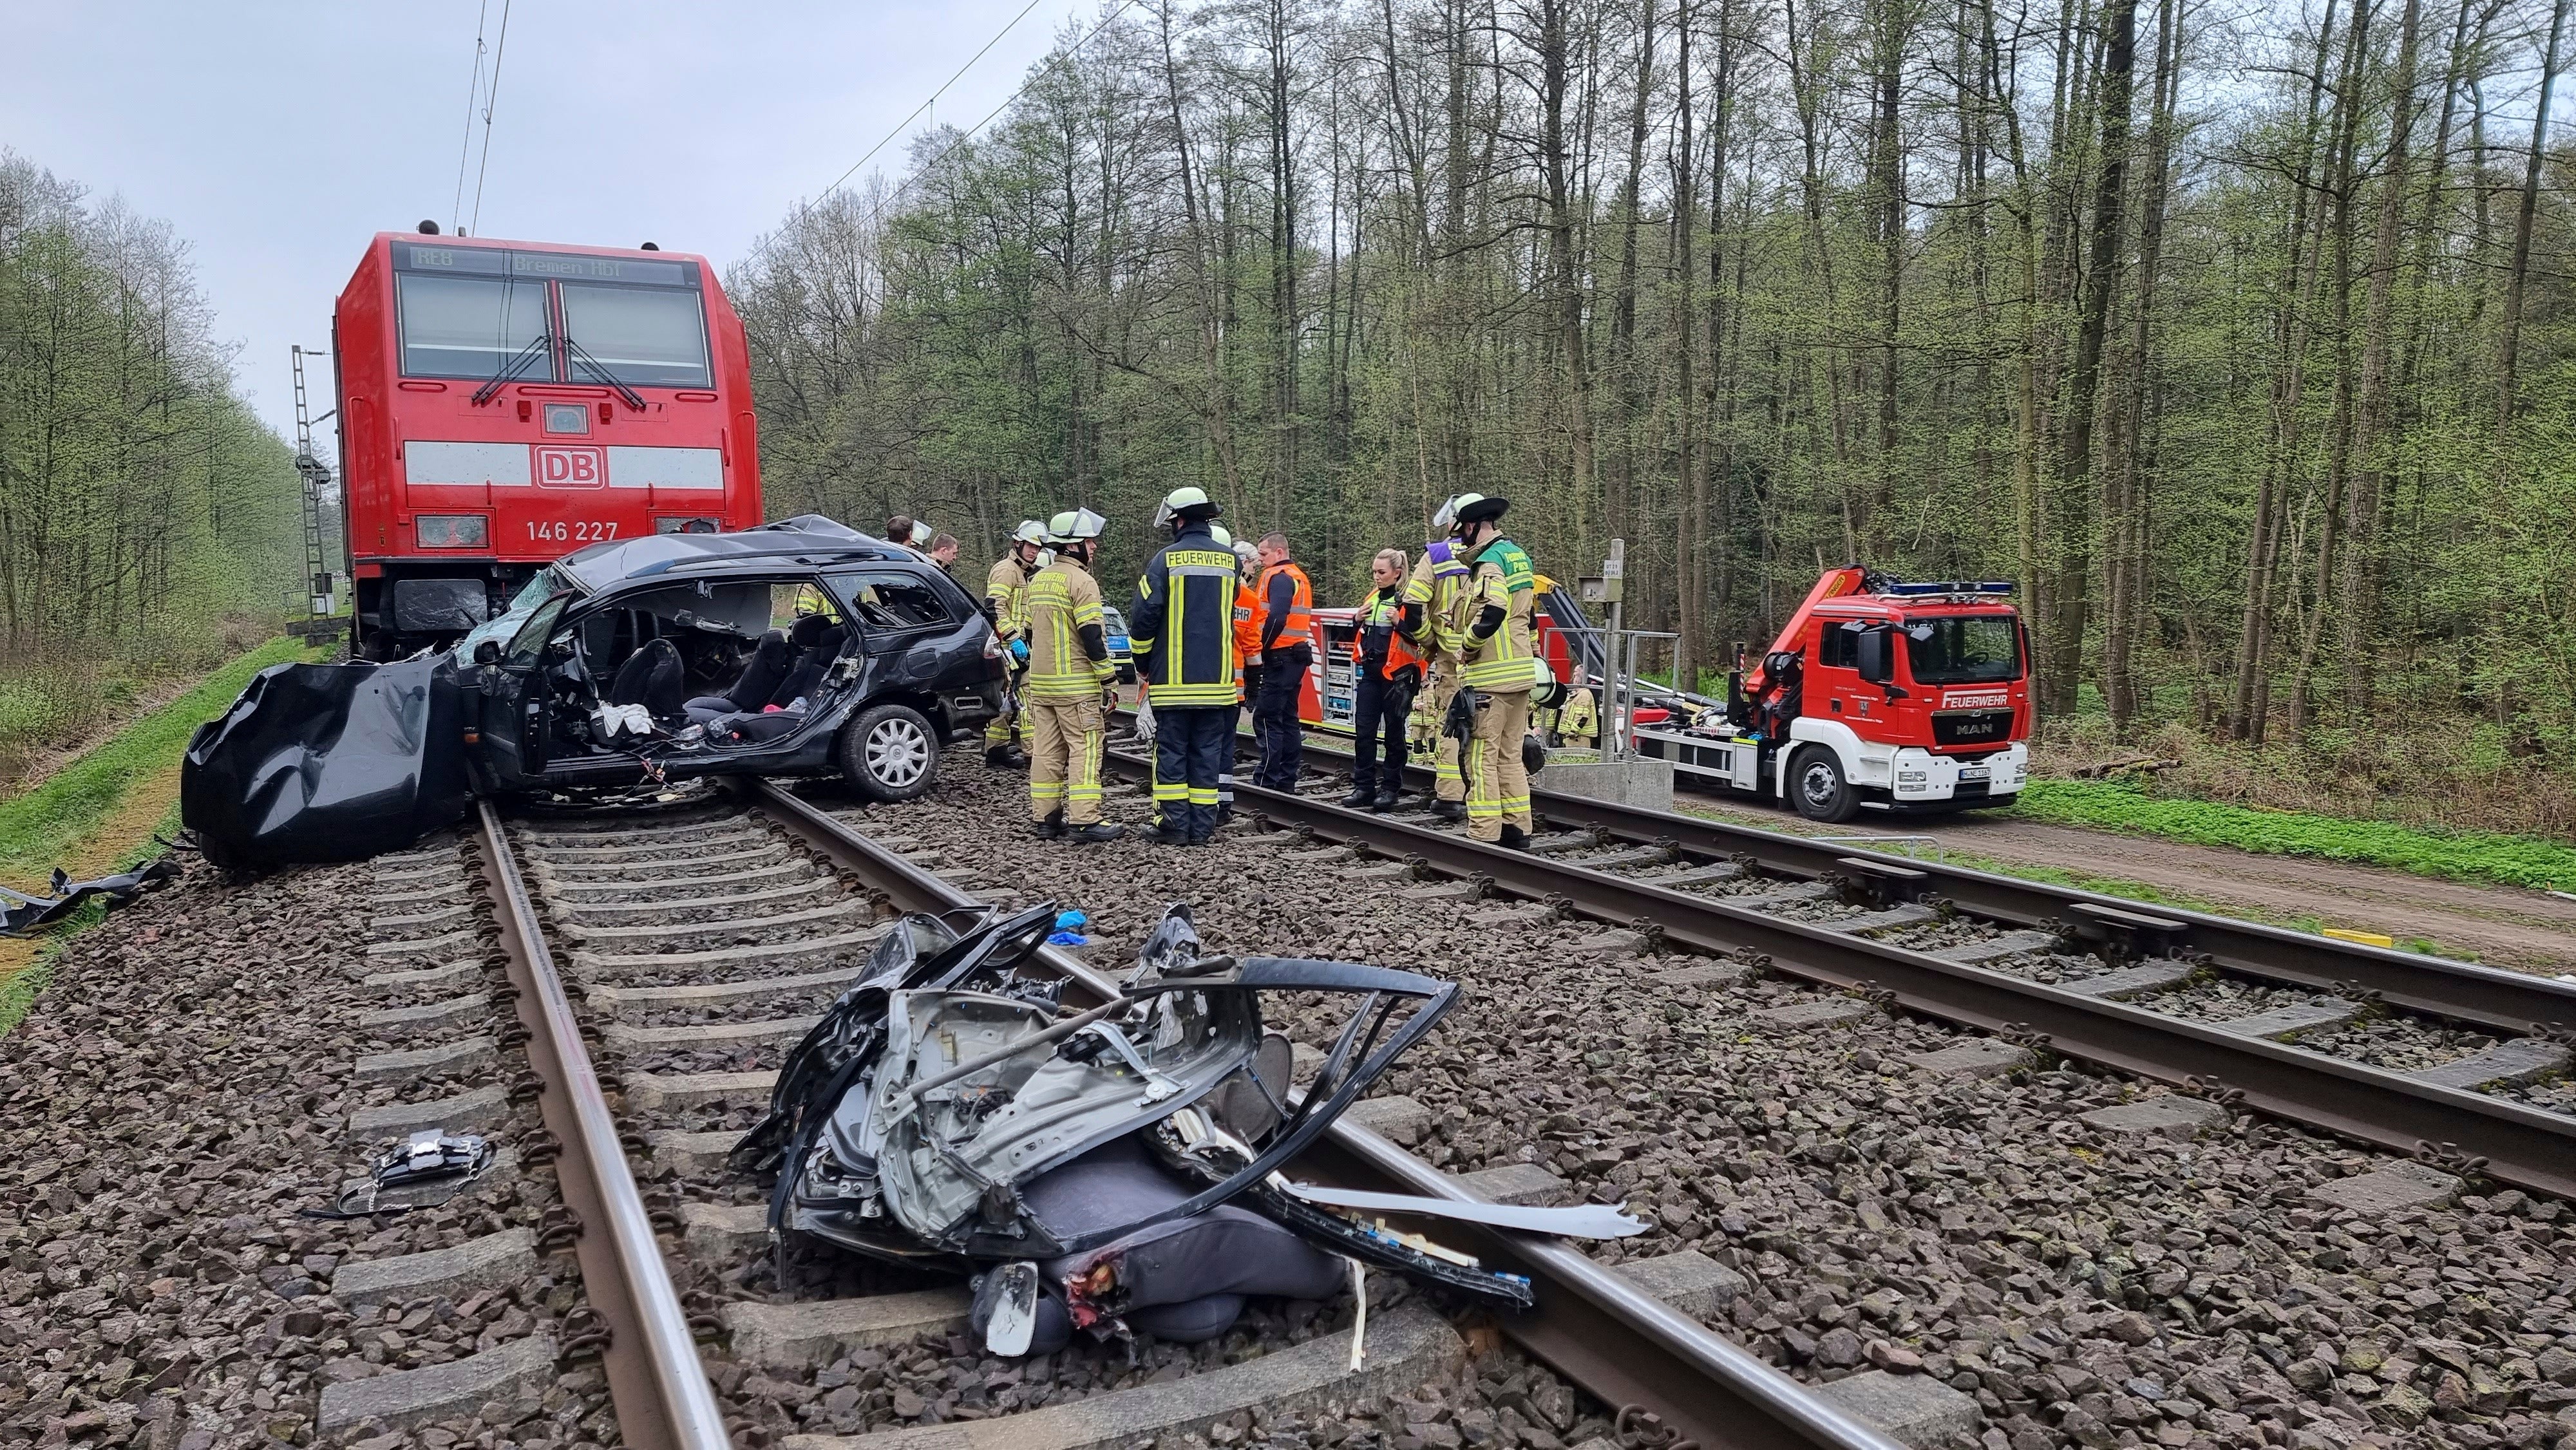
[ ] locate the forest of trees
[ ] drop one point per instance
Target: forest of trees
(2238, 336)
(140, 499)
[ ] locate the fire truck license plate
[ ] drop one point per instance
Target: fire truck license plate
(1975, 772)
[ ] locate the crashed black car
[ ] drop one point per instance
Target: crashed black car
(1115, 1171)
(795, 649)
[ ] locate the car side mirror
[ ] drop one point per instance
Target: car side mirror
(487, 652)
(1877, 656)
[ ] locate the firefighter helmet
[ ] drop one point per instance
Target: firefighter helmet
(1075, 526)
(1030, 531)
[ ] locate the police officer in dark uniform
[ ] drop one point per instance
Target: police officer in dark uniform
(1181, 633)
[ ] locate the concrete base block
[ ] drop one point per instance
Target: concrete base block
(481, 1107)
(691, 1154)
(1976, 1057)
(766, 1031)
(2512, 1060)
(2285, 1022)
(427, 1017)
(636, 1001)
(1915, 1409)
(648, 1090)
(724, 1233)
(1401, 1119)
(2397, 1186)
(405, 1398)
(2010, 944)
(490, 1262)
(1690, 1281)
(1524, 1185)
(1408, 1347)
(2172, 1116)
(815, 1333)
(448, 977)
(1645, 784)
(471, 1052)
(2127, 982)
(1824, 1012)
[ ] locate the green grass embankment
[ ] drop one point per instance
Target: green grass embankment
(2459, 855)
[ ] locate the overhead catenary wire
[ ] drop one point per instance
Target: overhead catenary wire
(491, 97)
(473, 97)
(897, 130)
(975, 130)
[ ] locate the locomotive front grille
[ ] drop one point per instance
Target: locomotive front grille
(1971, 727)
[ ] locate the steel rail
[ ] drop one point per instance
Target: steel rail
(655, 1381)
(1620, 1344)
(2489, 997)
(2521, 1145)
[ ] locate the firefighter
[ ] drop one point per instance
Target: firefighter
(1070, 681)
(1244, 634)
(1385, 676)
(1495, 661)
(1286, 599)
(1181, 633)
(1431, 599)
(1006, 604)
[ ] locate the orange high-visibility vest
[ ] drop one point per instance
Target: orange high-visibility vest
(1300, 628)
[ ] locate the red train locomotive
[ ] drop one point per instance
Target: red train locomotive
(504, 403)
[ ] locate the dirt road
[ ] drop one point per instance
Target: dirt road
(2500, 925)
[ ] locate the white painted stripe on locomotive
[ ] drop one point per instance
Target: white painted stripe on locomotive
(499, 465)
(665, 468)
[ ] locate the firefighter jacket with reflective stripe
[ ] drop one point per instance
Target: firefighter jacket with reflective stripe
(1380, 649)
(1439, 576)
(1064, 624)
(1181, 632)
(1006, 596)
(1500, 579)
(1287, 606)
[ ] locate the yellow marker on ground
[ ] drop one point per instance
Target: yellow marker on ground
(2365, 938)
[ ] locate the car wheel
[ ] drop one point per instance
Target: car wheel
(1817, 787)
(890, 753)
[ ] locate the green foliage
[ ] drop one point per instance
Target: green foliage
(41, 827)
(2460, 855)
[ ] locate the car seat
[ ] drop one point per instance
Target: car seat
(651, 677)
(761, 676)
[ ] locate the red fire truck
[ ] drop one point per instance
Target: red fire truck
(1877, 695)
(504, 403)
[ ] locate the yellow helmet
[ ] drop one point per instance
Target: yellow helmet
(1075, 526)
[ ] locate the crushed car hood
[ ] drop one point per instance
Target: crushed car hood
(328, 763)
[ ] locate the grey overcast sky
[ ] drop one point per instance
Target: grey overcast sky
(278, 138)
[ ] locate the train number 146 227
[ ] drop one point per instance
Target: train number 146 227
(583, 532)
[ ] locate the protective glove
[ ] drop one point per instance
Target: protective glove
(1143, 729)
(1020, 653)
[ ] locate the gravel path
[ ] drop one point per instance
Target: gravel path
(2089, 1288)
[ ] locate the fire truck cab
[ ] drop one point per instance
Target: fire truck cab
(1877, 695)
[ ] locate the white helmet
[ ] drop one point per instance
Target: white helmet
(1219, 533)
(1075, 526)
(1447, 517)
(1030, 531)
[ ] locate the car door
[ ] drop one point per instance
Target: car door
(517, 695)
(906, 624)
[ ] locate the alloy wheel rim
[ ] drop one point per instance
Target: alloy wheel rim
(897, 752)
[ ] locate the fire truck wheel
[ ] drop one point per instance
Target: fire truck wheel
(890, 753)
(1817, 787)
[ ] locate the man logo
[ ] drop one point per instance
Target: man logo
(560, 466)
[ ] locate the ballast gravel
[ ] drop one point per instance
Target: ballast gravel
(174, 1102)
(2084, 1286)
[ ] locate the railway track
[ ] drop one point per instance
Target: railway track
(2448, 1063)
(659, 964)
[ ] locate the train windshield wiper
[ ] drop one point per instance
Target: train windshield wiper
(541, 343)
(599, 370)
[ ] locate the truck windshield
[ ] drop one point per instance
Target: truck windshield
(1963, 650)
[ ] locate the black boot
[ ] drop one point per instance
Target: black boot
(1050, 828)
(1097, 832)
(1385, 802)
(1005, 757)
(1449, 810)
(1360, 799)
(1514, 838)
(1168, 834)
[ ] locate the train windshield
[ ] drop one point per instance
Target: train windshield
(641, 336)
(1975, 649)
(468, 327)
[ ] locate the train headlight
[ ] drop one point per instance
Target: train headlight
(452, 531)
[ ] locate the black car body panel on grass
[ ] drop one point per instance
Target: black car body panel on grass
(632, 660)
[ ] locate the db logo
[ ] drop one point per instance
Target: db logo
(564, 467)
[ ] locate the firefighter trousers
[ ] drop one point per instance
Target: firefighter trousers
(1191, 746)
(1065, 737)
(1428, 713)
(1498, 788)
(1013, 721)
